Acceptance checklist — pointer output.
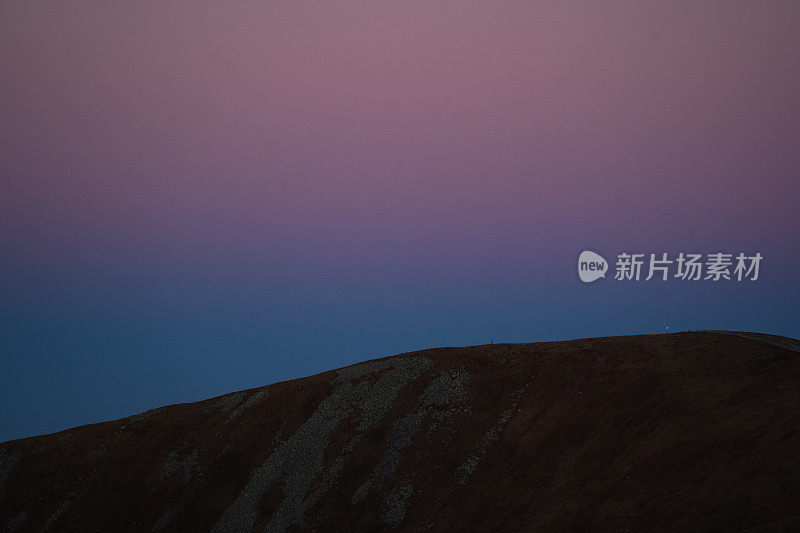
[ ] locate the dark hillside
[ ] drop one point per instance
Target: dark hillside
(684, 431)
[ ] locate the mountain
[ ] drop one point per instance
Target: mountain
(686, 431)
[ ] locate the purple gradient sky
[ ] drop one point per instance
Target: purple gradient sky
(197, 197)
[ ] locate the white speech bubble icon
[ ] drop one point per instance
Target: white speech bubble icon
(591, 266)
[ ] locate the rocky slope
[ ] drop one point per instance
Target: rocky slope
(680, 431)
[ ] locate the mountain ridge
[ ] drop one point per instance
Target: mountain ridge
(693, 429)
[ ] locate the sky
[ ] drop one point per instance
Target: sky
(200, 197)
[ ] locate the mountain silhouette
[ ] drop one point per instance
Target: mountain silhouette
(686, 431)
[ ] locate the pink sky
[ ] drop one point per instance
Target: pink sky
(198, 197)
